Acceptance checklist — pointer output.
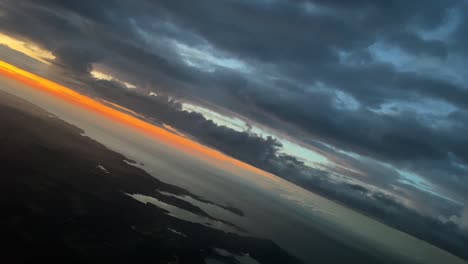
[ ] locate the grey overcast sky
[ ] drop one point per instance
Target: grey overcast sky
(369, 94)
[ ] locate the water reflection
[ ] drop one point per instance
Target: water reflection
(184, 214)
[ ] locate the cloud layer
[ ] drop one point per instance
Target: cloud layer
(377, 87)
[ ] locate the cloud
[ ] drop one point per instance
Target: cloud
(464, 218)
(379, 87)
(30, 49)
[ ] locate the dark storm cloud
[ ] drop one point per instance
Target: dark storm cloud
(385, 80)
(307, 42)
(265, 154)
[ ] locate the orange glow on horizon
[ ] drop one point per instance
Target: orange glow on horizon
(77, 99)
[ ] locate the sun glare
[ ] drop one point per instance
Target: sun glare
(30, 49)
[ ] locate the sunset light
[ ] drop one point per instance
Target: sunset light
(90, 104)
(30, 49)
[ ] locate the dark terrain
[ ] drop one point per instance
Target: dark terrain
(57, 205)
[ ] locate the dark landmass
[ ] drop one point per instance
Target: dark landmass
(57, 205)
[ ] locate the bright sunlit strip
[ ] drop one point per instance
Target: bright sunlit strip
(219, 119)
(102, 76)
(29, 49)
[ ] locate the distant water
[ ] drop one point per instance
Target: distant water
(184, 214)
(306, 225)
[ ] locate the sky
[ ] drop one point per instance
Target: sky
(364, 102)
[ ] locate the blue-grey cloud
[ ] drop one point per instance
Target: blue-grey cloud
(381, 85)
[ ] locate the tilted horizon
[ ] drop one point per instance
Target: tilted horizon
(364, 103)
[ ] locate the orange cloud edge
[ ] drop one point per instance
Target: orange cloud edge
(67, 94)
